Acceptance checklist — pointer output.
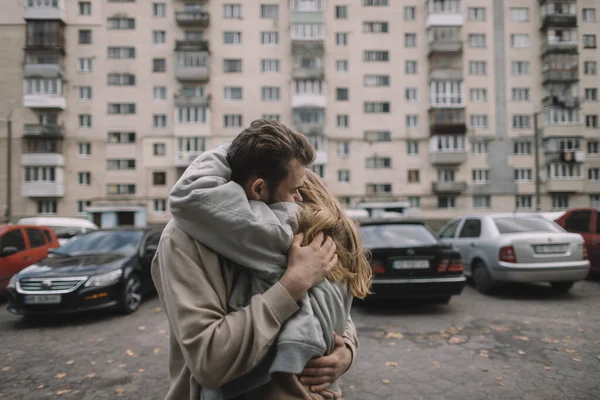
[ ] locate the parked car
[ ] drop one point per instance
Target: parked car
(586, 222)
(65, 228)
(517, 248)
(21, 246)
(409, 262)
(100, 269)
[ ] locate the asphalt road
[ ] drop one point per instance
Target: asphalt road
(525, 343)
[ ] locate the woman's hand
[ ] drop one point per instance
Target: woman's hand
(321, 372)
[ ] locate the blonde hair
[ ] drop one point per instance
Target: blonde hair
(321, 212)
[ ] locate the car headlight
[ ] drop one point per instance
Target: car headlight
(105, 279)
(13, 282)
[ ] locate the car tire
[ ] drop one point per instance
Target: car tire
(561, 287)
(441, 300)
(131, 296)
(482, 279)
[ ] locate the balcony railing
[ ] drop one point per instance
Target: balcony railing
(43, 131)
(559, 20)
(185, 158)
(308, 73)
(42, 189)
(307, 48)
(445, 46)
(192, 18)
(46, 13)
(448, 157)
(557, 75)
(447, 121)
(182, 100)
(559, 46)
(45, 40)
(191, 45)
(310, 128)
(449, 187)
(561, 101)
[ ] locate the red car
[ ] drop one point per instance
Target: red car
(586, 222)
(21, 246)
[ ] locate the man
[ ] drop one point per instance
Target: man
(210, 344)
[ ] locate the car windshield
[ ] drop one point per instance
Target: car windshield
(396, 235)
(121, 242)
(525, 224)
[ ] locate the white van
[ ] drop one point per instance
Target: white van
(65, 228)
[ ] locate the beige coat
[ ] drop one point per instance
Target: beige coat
(208, 345)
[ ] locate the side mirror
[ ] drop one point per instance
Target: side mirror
(8, 251)
(150, 250)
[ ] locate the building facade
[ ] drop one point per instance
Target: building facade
(429, 103)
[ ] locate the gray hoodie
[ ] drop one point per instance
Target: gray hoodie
(215, 211)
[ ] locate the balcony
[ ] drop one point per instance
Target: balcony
(559, 47)
(559, 21)
(444, 13)
(308, 73)
(313, 128)
(307, 17)
(45, 41)
(54, 70)
(47, 101)
(192, 66)
(561, 101)
(311, 48)
(312, 100)
(42, 160)
(565, 185)
(445, 46)
(447, 121)
(45, 13)
(564, 156)
(321, 157)
(198, 19)
(560, 76)
(191, 45)
(182, 100)
(43, 131)
(42, 189)
(448, 157)
(185, 158)
(449, 187)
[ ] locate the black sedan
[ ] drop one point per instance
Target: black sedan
(100, 269)
(409, 262)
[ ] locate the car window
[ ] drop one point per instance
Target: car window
(525, 224)
(471, 228)
(579, 221)
(101, 242)
(36, 239)
(13, 238)
(153, 239)
(450, 231)
(396, 235)
(47, 236)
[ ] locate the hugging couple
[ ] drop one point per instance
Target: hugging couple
(256, 273)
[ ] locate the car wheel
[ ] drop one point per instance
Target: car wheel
(132, 294)
(562, 287)
(482, 279)
(441, 300)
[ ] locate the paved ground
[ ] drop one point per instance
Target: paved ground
(525, 343)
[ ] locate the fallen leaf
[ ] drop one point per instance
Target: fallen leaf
(457, 339)
(548, 368)
(392, 343)
(521, 352)
(393, 335)
(570, 351)
(63, 391)
(385, 381)
(157, 310)
(70, 362)
(5, 369)
(391, 364)
(122, 365)
(577, 359)
(499, 328)
(60, 376)
(484, 354)
(351, 387)
(141, 328)
(436, 364)
(110, 361)
(40, 387)
(550, 340)
(162, 331)
(120, 391)
(130, 353)
(90, 376)
(156, 351)
(93, 362)
(523, 338)
(141, 370)
(499, 378)
(484, 369)
(100, 340)
(94, 353)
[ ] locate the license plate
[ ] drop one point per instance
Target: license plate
(43, 299)
(551, 249)
(411, 264)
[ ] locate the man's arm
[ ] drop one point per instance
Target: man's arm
(350, 338)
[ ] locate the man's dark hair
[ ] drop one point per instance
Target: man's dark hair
(264, 150)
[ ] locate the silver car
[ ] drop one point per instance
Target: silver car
(499, 248)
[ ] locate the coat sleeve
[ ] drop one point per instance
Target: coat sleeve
(217, 346)
(350, 337)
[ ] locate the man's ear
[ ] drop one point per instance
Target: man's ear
(258, 190)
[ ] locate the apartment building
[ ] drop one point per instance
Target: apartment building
(431, 104)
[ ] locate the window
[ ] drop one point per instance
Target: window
(193, 35)
(410, 40)
(594, 174)
(445, 175)
(121, 52)
(85, 36)
(589, 15)
(159, 206)
(564, 171)
(84, 149)
(120, 23)
(590, 68)
(232, 65)
(523, 174)
(39, 174)
(192, 114)
(375, 27)
(84, 64)
(121, 108)
(159, 178)
(561, 116)
(378, 188)
(232, 93)
(446, 201)
(270, 93)
(477, 40)
(376, 80)
(593, 147)
(522, 148)
(413, 176)
(269, 65)
(589, 41)
(82, 205)
(116, 164)
(159, 10)
(521, 121)
(375, 3)
(306, 5)
(450, 143)
(231, 11)
(85, 8)
(318, 169)
(271, 117)
(479, 121)
(376, 56)
(85, 92)
(341, 65)
(480, 176)
(410, 94)
(414, 201)
(479, 147)
(591, 94)
(378, 162)
(121, 80)
(270, 11)
(449, 231)
(376, 107)
(120, 188)
(476, 14)
(595, 202)
(560, 201)
(159, 120)
(410, 67)
(472, 227)
(344, 201)
(318, 142)
(519, 41)
(519, 67)
(519, 14)
(159, 93)
(343, 120)
(84, 178)
(341, 39)
(232, 37)
(232, 120)
(412, 121)
(478, 95)
(121, 137)
(343, 148)
(446, 93)
(591, 121)
(410, 13)
(269, 38)
(341, 12)
(412, 147)
(159, 65)
(524, 202)
(342, 94)
(159, 37)
(477, 68)
(520, 94)
(159, 149)
(343, 176)
(378, 136)
(43, 85)
(85, 121)
(579, 221)
(46, 207)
